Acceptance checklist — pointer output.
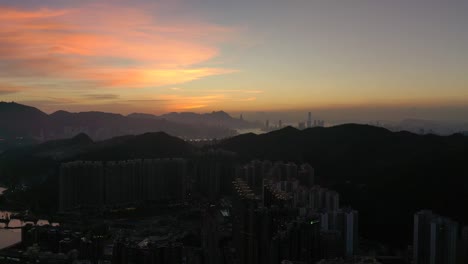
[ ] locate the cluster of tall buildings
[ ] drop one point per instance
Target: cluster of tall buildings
(279, 214)
(317, 199)
(269, 126)
(97, 184)
(208, 174)
(275, 212)
(311, 123)
(437, 240)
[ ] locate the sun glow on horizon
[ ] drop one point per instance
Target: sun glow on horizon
(166, 56)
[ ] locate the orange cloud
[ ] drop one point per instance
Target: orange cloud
(9, 89)
(249, 99)
(177, 102)
(239, 91)
(151, 77)
(110, 46)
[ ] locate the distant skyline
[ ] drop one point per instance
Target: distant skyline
(353, 60)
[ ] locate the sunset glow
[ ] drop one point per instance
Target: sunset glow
(108, 55)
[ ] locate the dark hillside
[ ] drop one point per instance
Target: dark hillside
(387, 176)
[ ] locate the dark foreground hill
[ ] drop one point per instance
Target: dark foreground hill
(35, 163)
(148, 145)
(37, 166)
(387, 176)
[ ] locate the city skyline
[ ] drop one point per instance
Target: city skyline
(338, 59)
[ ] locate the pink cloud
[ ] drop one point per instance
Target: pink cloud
(111, 46)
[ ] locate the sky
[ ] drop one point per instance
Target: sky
(352, 59)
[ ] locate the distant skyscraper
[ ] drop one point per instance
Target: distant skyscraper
(435, 239)
(309, 120)
(267, 124)
(241, 117)
(280, 124)
(319, 123)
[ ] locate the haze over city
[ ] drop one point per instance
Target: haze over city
(349, 61)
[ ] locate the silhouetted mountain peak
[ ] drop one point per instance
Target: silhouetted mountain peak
(220, 114)
(12, 107)
(284, 131)
(82, 137)
(17, 120)
(153, 135)
(215, 118)
(355, 126)
(142, 116)
(60, 114)
(99, 114)
(148, 145)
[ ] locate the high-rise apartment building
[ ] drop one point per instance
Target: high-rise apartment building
(434, 239)
(81, 184)
(322, 199)
(344, 221)
(214, 173)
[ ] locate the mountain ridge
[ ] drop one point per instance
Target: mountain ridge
(17, 120)
(214, 118)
